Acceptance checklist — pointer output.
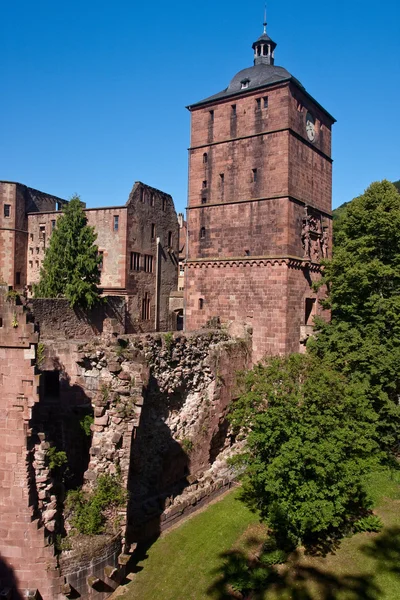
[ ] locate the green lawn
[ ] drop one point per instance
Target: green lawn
(194, 561)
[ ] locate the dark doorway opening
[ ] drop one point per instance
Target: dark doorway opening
(51, 383)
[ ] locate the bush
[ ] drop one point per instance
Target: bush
(85, 424)
(371, 523)
(88, 509)
(56, 458)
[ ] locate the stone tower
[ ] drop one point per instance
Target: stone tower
(259, 211)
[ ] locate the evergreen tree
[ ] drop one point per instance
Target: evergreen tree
(309, 443)
(71, 264)
(363, 338)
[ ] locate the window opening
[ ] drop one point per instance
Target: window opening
(53, 224)
(7, 210)
(254, 171)
(170, 239)
(222, 178)
(1, 322)
(152, 200)
(265, 100)
(135, 261)
(101, 256)
(211, 116)
(146, 307)
(205, 183)
(201, 303)
(153, 231)
(18, 278)
(245, 84)
(202, 233)
(147, 263)
(141, 195)
(116, 222)
(42, 232)
(258, 103)
(204, 200)
(164, 204)
(205, 157)
(309, 311)
(233, 110)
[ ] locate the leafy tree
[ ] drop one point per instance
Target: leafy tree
(363, 338)
(309, 442)
(71, 263)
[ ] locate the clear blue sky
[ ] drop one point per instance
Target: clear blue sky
(93, 93)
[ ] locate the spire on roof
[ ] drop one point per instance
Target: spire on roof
(264, 47)
(265, 19)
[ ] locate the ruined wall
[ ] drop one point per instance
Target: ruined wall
(27, 561)
(57, 320)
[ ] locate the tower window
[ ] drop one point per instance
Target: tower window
(204, 199)
(18, 278)
(201, 303)
(135, 261)
(309, 311)
(265, 101)
(205, 157)
(233, 108)
(222, 178)
(152, 200)
(170, 239)
(205, 183)
(164, 204)
(258, 103)
(254, 175)
(101, 262)
(7, 210)
(141, 195)
(53, 224)
(211, 116)
(116, 222)
(265, 50)
(153, 231)
(202, 233)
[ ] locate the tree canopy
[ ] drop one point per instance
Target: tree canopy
(310, 441)
(71, 264)
(363, 338)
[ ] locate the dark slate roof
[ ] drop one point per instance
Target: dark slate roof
(258, 76)
(264, 38)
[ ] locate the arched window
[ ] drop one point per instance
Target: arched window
(205, 157)
(202, 233)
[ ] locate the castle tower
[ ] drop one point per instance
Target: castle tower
(259, 210)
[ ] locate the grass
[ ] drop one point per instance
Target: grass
(199, 560)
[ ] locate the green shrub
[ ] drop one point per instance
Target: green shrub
(88, 509)
(370, 523)
(56, 458)
(85, 424)
(169, 340)
(187, 445)
(40, 354)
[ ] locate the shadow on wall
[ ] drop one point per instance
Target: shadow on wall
(8, 582)
(159, 470)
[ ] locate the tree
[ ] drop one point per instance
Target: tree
(71, 264)
(309, 442)
(363, 338)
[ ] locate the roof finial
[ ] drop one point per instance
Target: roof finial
(265, 19)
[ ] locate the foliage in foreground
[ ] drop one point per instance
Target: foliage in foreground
(310, 441)
(71, 264)
(88, 509)
(363, 338)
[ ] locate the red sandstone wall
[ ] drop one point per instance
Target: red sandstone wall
(31, 563)
(7, 237)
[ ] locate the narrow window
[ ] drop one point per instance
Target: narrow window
(53, 224)
(164, 204)
(205, 157)
(233, 110)
(247, 252)
(31, 250)
(222, 179)
(201, 303)
(265, 50)
(170, 239)
(147, 263)
(18, 278)
(258, 103)
(37, 264)
(152, 200)
(265, 101)
(146, 307)
(254, 171)
(205, 183)
(153, 231)
(141, 195)
(135, 261)
(101, 256)
(31, 237)
(7, 210)
(31, 264)
(211, 116)
(1, 322)
(204, 199)
(202, 233)
(309, 311)
(42, 232)
(37, 249)
(116, 222)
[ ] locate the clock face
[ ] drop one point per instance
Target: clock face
(310, 127)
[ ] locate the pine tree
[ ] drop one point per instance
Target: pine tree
(71, 264)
